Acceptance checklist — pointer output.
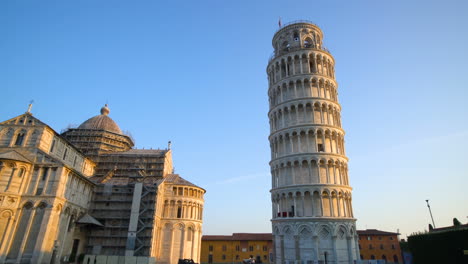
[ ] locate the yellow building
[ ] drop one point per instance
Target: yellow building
(235, 248)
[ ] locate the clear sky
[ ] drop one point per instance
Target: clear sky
(194, 72)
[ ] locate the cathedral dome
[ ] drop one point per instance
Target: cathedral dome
(101, 122)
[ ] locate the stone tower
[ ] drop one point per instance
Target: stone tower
(312, 216)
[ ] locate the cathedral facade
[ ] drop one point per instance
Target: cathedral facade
(87, 194)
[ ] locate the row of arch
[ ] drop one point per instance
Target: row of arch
(319, 171)
(303, 63)
(179, 240)
(25, 235)
(299, 38)
(18, 137)
(12, 176)
(314, 203)
(333, 229)
(189, 192)
(183, 209)
(302, 87)
(307, 141)
(315, 243)
(305, 113)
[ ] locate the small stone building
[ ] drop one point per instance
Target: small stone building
(88, 192)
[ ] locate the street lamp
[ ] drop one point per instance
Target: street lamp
(428, 206)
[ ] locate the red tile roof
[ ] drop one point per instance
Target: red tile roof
(376, 232)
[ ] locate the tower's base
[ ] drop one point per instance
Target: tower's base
(314, 241)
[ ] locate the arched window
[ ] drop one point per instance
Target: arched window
(179, 212)
(308, 43)
(19, 139)
(52, 146)
(189, 234)
(296, 36)
(21, 172)
(395, 258)
(372, 257)
(384, 257)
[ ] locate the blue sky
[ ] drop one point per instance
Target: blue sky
(194, 72)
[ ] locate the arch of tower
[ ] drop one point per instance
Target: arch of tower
(312, 215)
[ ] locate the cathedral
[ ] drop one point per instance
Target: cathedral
(86, 195)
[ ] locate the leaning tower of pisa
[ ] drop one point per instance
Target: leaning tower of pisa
(312, 216)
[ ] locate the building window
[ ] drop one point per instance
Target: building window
(224, 257)
(179, 212)
(189, 234)
(381, 246)
(224, 247)
(53, 145)
(39, 191)
(380, 238)
(20, 173)
(370, 246)
(362, 257)
(369, 238)
(251, 248)
(237, 248)
(320, 148)
(237, 257)
(19, 139)
(210, 247)
(264, 257)
(372, 257)
(391, 238)
(395, 258)
(44, 173)
(384, 257)
(393, 246)
(265, 248)
(65, 154)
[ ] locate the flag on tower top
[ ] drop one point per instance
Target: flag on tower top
(279, 22)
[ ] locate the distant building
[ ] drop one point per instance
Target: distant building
(237, 247)
(379, 245)
(87, 193)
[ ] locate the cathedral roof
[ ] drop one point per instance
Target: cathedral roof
(101, 122)
(140, 152)
(176, 179)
